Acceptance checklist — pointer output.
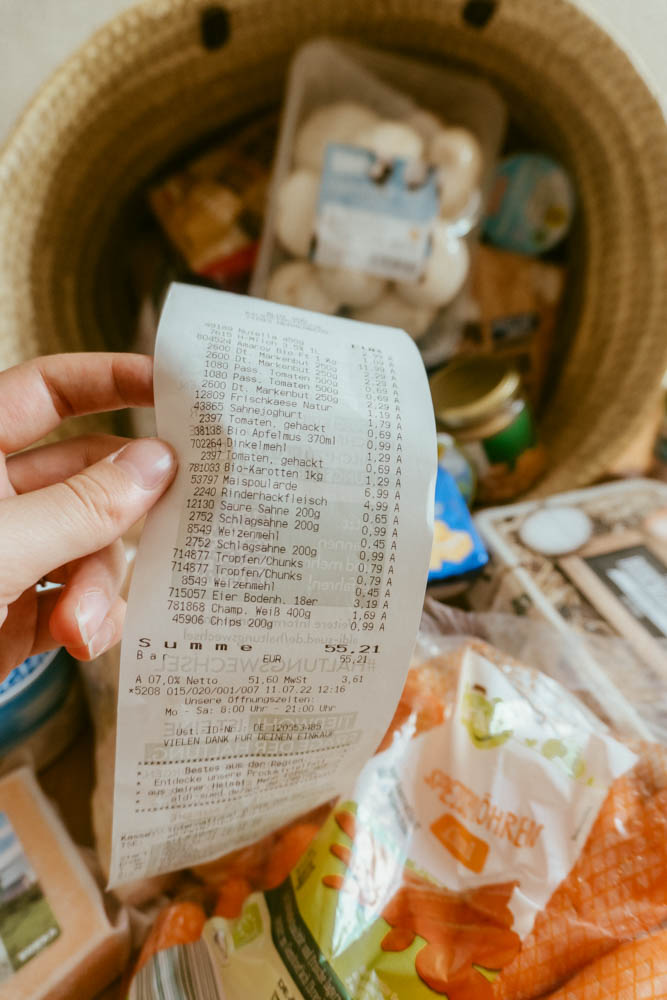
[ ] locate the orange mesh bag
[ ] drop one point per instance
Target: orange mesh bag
(433, 875)
(635, 971)
(616, 891)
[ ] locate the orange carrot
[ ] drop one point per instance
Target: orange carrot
(429, 690)
(248, 862)
(180, 923)
(232, 894)
(635, 971)
(615, 891)
(287, 852)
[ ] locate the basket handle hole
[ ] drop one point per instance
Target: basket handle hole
(478, 13)
(214, 26)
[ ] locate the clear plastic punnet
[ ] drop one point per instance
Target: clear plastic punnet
(381, 174)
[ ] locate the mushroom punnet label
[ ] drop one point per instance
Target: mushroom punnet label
(375, 214)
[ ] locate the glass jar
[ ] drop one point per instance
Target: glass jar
(479, 402)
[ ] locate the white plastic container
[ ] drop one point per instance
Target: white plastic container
(419, 97)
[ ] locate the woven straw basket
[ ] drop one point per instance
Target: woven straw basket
(167, 72)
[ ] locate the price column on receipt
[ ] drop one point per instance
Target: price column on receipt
(279, 583)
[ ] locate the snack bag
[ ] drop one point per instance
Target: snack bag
(457, 548)
(427, 877)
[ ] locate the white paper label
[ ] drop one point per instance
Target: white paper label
(279, 582)
(375, 215)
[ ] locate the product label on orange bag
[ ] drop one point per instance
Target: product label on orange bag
(279, 583)
(466, 848)
(430, 871)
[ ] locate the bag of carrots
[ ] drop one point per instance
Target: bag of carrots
(500, 845)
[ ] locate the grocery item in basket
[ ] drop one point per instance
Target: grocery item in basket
(392, 310)
(636, 970)
(40, 707)
(212, 210)
(339, 121)
(614, 893)
(459, 157)
(516, 307)
(479, 402)
(531, 206)
(373, 186)
(457, 548)
(426, 877)
(308, 444)
(355, 288)
(660, 447)
(595, 561)
(55, 938)
(451, 458)
(295, 283)
(296, 204)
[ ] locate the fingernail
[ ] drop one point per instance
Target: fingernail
(102, 638)
(90, 613)
(147, 461)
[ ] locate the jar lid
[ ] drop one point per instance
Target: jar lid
(470, 390)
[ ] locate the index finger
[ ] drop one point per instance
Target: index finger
(37, 395)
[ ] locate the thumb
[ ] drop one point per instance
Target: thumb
(47, 528)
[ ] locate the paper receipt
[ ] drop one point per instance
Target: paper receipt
(279, 582)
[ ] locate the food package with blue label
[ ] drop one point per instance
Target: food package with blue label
(532, 205)
(380, 180)
(457, 547)
(41, 709)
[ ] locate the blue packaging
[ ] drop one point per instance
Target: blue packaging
(31, 694)
(375, 215)
(531, 206)
(451, 458)
(457, 547)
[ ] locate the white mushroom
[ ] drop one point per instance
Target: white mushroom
(458, 154)
(338, 122)
(296, 204)
(295, 284)
(390, 139)
(445, 273)
(392, 310)
(351, 287)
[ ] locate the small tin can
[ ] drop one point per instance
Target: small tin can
(479, 401)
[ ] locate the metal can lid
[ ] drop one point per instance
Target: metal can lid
(469, 391)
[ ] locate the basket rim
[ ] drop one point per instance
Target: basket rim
(526, 14)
